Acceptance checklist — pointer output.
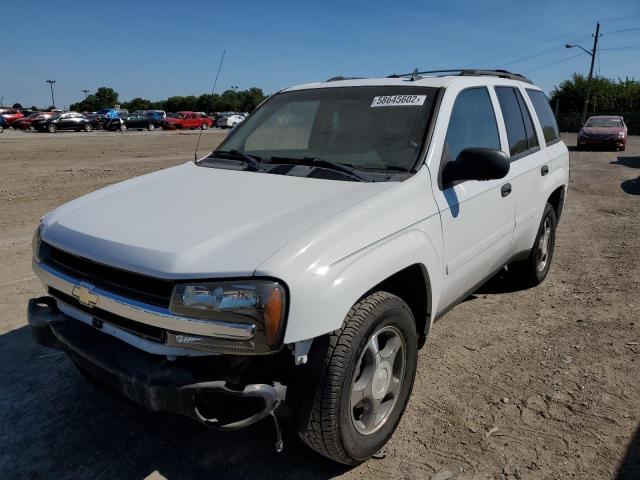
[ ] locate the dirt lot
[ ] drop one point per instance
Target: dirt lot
(543, 383)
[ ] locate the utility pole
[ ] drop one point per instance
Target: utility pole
(593, 61)
(53, 100)
(85, 93)
(592, 53)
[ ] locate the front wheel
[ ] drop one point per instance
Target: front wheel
(52, 128)
(368, 377)
(151, 126)
(204, 126)
(88, 127)
(123, 127)
(533, 270)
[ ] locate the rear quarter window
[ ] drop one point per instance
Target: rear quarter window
(545, 115)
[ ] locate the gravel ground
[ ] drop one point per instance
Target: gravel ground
(542, 383)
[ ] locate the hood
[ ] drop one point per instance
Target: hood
(602, 130)
(196, 222)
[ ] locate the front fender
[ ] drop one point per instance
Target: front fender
(322, 296)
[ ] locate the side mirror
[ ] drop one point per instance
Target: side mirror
(476, 164)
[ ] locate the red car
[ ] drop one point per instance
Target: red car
(11, 114)
(25, 122)
(186, 120)
(603, 131)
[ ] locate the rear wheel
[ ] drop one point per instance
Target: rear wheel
(204, 126)
(151, 126)
(88, 127)
(123, 127)
(52, 128)
(533, 270)
(1, 129)
(368, 377)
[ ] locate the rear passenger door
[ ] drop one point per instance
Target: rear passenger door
(477, 216)
(529, 164)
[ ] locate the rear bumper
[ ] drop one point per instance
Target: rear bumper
(151, 380)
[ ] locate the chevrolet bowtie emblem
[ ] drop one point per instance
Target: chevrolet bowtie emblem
(85, 295)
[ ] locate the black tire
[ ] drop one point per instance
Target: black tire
(530, 272)
(87, 127)
(1, 129)
(51, 128)
(331, 429)
(151, 126)
(122, 127)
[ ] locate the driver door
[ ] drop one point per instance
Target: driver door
(478, 217)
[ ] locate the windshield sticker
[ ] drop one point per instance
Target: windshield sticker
(398, 100)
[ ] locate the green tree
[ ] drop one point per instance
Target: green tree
(138, 104)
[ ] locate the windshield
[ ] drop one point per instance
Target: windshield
(363, 127)
(603, 122)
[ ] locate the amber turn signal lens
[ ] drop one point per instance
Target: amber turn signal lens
(273, 313)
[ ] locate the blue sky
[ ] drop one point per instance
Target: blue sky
(154, 49)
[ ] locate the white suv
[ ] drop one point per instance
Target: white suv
(298, 268)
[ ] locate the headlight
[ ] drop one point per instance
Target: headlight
(621, 134)
(261, 303)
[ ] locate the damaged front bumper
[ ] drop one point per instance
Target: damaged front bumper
(154, 381)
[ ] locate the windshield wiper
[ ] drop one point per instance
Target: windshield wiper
(322, 163)
(252, 160)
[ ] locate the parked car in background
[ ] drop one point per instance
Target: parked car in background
(230, 121)
(63, 121)
(157, 114)
(25, 122)
(603, 131)
(100, 118)
(3, 124)
(133, 120)
(11, 115)
(186, 120)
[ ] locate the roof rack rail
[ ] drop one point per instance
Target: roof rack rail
(340, 77)
(470, 72)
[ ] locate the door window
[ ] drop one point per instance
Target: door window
(472, 124)
(545, 115)
(517, 121)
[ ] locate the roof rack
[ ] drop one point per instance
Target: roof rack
(468, 72)
(340, 77)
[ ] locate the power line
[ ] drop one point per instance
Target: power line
(620, 18)
(537, 44)
(622, 47)
(553, 63)
(622, 31)
(532, 56)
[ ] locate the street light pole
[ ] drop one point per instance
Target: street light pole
(592, 53)
(53, 100)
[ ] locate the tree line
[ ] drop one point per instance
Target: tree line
(608, 97)
(229, 100)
